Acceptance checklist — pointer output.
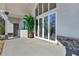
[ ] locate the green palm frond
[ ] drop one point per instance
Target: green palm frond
(29, 23)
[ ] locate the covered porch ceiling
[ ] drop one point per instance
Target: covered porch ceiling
(18, 10)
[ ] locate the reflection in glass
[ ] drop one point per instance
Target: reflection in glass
(36, 27)
(52, 6)
(45, 6)
(36, 11)
(40, 27)
(52, 26)
(46, 27)
(40, 8)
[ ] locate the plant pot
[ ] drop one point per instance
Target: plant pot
(30, 35)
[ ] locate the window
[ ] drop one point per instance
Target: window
(40, 8)
(46, 27)
(36, 27)
(36, 11)
(52, 6)
(45, 7)
(45, 24)
(52, 26)
(40, 27)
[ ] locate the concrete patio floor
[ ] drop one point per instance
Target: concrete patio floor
(31, 47)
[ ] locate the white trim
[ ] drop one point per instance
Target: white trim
(46, 39)
(42, 23)
(56, 27)
(34, 27)
(38, 21)
(38, 28)
(48, 24)
(43, 28)
(34, 23)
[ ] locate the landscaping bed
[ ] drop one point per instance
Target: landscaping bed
(1, 46)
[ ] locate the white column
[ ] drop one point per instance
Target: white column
(48, 23)
(38, 27)
(38, 21)
(42, 22)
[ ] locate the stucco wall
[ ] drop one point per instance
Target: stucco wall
(14, 20)
(9, 27)
(21, 25)
(68, 20)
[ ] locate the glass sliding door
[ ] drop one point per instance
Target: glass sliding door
(45, 23)
(46, 27)
(52, 26)
(36, 11)
(52, 6)
(40, 8)
(36, 27)
(36, 21)
(40, 27)
(45, 7)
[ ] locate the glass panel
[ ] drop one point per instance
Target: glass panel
(46, 27)
(40, 8)
(52, 26)
(52, 6)
(36, 27)
(36, 11)
(45, 6)
(40, 27)
(2, 26)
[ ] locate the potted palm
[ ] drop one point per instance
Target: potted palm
(29, 25)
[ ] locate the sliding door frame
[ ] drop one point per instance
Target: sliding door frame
(48, 13)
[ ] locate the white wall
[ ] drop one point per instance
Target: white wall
(9, 27)
(14, 20)
(68, 20)
(21, 25)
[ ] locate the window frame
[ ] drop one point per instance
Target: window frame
(48, 13)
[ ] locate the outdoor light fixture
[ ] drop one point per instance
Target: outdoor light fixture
(6, 12)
